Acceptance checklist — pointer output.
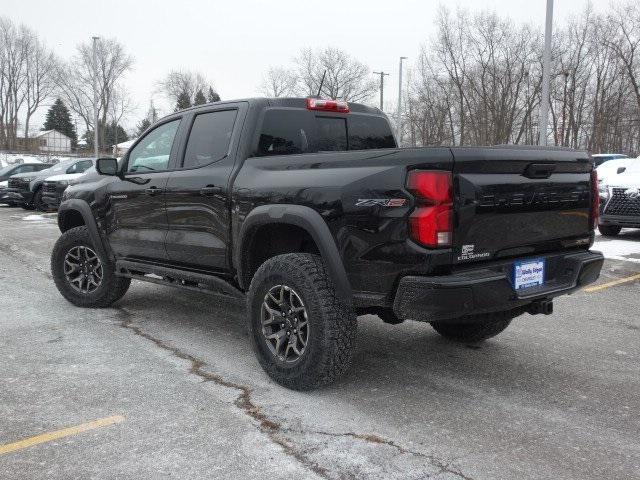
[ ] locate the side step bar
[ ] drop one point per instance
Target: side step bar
(175, 277)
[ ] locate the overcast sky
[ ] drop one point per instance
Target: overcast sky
(234, 42)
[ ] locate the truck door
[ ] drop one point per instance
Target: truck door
(136, 219)
(197, 193)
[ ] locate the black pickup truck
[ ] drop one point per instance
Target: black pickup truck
(308, 209)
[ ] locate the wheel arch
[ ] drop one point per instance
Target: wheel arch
(75, 213)
(299, 216)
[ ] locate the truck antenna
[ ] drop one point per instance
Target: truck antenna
(321, 83)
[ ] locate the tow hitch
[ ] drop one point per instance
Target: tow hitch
(541, 307)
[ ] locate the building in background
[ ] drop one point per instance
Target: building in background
(121, 148)
(48, 141)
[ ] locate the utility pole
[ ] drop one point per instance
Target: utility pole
(543, 121)
(399, 126)
(95, 96)
(382, 75)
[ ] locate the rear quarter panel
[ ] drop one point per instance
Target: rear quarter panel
(372, 239)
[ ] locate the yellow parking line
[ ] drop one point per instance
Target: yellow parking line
(65, 432)
(597, 288)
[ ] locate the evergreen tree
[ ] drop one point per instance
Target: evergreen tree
(110, 138)
(183, 101)
(58, 118)
(213, 95)
(199, 98)
(142, 126)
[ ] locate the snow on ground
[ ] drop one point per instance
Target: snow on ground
(34, 218)
(12, 158)
(625, 247)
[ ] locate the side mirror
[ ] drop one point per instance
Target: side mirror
(107, 166)
(621, 169)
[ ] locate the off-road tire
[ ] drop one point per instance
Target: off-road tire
(609, 230)
(38, 204)
(476, 328)
(111, 289)
(332, 323)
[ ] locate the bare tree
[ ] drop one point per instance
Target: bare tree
(75, 80)
(184, 83)
(279, 82)
(121, 106)
(13, 53)
(346, 78)
(40, 81)
(626, 44)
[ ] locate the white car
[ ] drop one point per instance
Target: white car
(620, 201)
(612, 168)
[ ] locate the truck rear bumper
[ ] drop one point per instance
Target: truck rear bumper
(489, 288)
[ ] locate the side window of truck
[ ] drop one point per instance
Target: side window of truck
(153, 151)
(209, 138)
(369, 131)
(286, 132)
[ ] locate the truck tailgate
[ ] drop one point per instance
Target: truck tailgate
(519, 201)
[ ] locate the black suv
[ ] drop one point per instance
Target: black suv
(10, 170)
(308, 209)
(25, 189)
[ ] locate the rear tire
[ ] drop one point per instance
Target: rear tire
(609, 230)
(110, 288)
(327, 324)
(476, 328)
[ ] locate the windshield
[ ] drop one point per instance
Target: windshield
(6, 169)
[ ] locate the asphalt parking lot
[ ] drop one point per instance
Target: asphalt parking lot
(165, 385)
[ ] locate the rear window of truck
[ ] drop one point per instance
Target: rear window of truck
(289, 132)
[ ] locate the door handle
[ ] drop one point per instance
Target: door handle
(152, 190)
(210, 190)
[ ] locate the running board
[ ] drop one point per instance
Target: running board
(175, 277)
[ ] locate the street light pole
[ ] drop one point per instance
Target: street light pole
(95, 96)
(382, 75)
(543, 121)
(399, 125)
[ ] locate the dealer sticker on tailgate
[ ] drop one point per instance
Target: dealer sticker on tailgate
(528, 273)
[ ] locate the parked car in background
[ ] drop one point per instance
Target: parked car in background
(600, 158)
(25, 189)
(615, 167)
(54, 187)
(620, 202)
(10, 170)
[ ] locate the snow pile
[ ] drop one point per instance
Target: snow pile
(619, 248)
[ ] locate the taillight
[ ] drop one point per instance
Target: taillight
(432, 221)
(595, 198)
(327, 105)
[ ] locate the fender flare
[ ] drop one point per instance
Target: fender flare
(303, 217)
(84, 209)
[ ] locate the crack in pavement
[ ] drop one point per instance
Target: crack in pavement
(271, 428)
(243, 401)
(377, 440)
(14, 252)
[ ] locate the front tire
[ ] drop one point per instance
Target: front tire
(38, 204)
(609, 230)
(82, 276)
(301, 332)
